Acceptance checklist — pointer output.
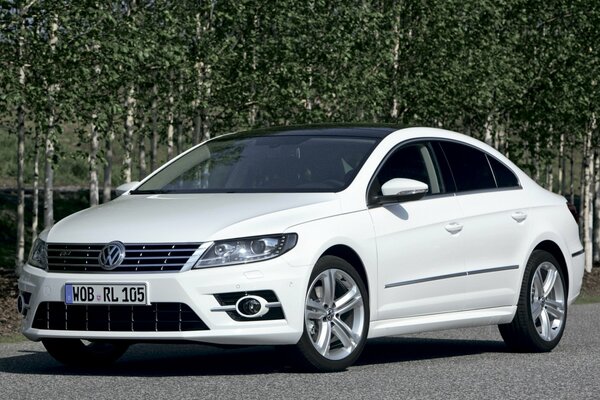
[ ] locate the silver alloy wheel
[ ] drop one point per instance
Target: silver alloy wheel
(547, 301)
(334, 314)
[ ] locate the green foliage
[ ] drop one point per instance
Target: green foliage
(522, 70)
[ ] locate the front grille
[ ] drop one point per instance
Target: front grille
(138, 257)
(157, 317)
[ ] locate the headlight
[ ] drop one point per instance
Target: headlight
(246, 250)
(38, 257)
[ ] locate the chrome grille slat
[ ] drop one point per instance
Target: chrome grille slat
(159, 257)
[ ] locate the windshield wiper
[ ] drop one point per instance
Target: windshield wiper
(153, 191)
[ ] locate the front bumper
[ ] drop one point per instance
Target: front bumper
(196, 289)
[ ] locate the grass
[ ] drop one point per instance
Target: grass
(587, 299)
(13, 338)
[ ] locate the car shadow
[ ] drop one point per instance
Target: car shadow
(156, 360)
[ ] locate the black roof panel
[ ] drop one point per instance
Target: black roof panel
(346, 130)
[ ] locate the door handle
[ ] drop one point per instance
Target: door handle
(519, 216)
(454, 227)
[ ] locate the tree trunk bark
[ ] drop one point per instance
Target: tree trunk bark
(93, 163)
(154, 134)
(20, 253)
(49, 175)
(129, 122)
(561, 165)
(582, 192)
(596, 220)
(35, 213)
(108, 155)
(394, 112)
(179, 136)
(572, 176)
(50, 137)
(170, 124)
(589, 206)
(142, 151)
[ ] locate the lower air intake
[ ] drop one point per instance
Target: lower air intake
(158, 317)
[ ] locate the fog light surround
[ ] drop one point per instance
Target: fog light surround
(251, 306)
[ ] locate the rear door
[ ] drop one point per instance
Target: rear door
(495, 224)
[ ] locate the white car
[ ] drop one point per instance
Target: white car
(319, 237)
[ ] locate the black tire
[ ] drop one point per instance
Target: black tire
(308, 354)
(76, 353)
(522, 333)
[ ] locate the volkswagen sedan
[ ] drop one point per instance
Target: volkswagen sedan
(315, 237)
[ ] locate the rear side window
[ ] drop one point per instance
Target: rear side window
(505, 178)
(470, 167)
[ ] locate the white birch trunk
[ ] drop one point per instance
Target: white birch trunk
(550, 170)
(489, 131)
(561, 165)
(93, 163)
(572, 176)
(596, 220)
(536, 161)
(589, 206)
(20, 250)
(50, 137)
(170, 125)
(154, 128)
(129, 125)
(582, 192)
(35, 213)
(108, 155)
(394, 112)
(142, 151)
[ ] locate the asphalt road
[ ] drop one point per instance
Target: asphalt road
(457, 364)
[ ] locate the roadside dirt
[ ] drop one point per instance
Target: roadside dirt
(10, 320)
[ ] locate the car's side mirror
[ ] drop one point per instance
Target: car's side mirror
(401, 190)
(126, 187)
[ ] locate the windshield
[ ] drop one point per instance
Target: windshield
(264, 164)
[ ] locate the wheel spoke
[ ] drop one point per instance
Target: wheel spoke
(329, 287)
(538, 283)
(555, 309)
(314, 309)
(536, 309)
(550, 281)
(343, 337)
(324, 339)
(344, 330)
(545, 325)
(348, 301)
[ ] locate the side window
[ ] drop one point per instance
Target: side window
(505, 178)
(470, 167)
(413, 161)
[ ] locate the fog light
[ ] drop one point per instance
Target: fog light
(251, 306)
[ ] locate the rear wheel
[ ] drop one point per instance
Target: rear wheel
(80, 353)
(336, 316)
(542, 309)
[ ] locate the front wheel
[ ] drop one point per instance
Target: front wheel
(79, 353)
(541, 314)
(336, 316)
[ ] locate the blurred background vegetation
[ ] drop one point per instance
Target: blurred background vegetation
(94, 94)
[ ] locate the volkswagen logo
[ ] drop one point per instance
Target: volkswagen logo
(111, 255)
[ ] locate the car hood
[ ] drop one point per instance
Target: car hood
(166, 218)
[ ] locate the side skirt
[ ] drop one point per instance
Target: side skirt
(436, 322)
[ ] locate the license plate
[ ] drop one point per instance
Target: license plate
(106, 294)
